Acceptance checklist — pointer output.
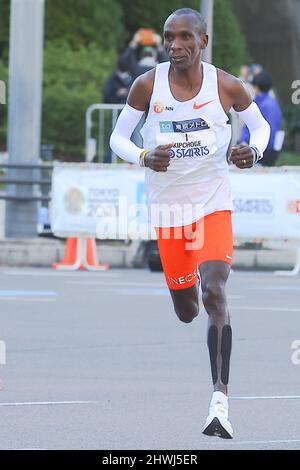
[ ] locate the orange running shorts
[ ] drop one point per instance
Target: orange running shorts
(183, 249)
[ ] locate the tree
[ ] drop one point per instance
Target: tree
(4, 28)
(141, 13)
(80, 50)
(82, 39)
(73, 79)
(3, 109)
(80, 22)
(229, 45)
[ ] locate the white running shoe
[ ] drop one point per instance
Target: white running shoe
(217, 423)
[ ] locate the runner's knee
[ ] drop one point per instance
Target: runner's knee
(213, 295)
(186, 313)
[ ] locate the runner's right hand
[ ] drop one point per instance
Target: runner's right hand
(159, 158)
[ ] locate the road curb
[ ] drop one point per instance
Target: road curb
(42, 252)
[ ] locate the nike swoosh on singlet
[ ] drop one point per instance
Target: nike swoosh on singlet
(198, 106)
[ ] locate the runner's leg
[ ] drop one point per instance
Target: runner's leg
(186, 302)
(214, 275)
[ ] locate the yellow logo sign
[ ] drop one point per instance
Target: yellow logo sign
(73, 200)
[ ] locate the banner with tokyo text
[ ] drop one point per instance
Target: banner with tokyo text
(109, 202)
(103, 201)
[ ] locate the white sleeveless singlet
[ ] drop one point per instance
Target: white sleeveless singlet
(197, 181)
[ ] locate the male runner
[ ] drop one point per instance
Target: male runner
(186, 138)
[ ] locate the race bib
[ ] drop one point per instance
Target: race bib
(192, 138)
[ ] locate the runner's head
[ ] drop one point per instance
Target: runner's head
(185, 37)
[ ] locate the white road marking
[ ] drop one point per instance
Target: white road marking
(153, 290)
(56, 273)
(101, 282)
(269, 397)
(275, 441)
(134, 285)
(34, 403)
(271, 309)
(27, 293)
(235, 442)
(276, 288)
(29, 299)
(242, 276)
(220, 443)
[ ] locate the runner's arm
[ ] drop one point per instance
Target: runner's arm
(237, 96)
(137, 103)
(250, 114)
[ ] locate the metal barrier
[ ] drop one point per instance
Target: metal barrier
(92, 146)
(42, 181)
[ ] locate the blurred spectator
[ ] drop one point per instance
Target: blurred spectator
(117, 86)
(271, 111)
(116, 89)
(244, 73)
(247, 73)
(144, 51)
(253, 70)
(236, 123)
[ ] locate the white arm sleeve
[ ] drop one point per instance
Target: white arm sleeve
(120, 141)
(258, 127)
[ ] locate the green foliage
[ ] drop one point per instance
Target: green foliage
(291, 125)
(81, 22)
(288, 159)
(82, 39)
(144, 14)
(4, 41)
(81, 44)
(3, 108)
(4, 27)
(72, 81)
(229, 46)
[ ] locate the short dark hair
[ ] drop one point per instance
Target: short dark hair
(198, 17)
(263, 81)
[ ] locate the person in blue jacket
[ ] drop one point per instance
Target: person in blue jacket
(270, 110)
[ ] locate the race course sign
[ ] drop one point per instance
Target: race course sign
(109, 202)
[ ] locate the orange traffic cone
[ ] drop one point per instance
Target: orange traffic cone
(90, 261)
(80, 253)
(70, 254)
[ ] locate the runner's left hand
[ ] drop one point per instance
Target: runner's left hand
(241, 156)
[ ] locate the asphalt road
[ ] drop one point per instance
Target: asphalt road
(100, 361)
